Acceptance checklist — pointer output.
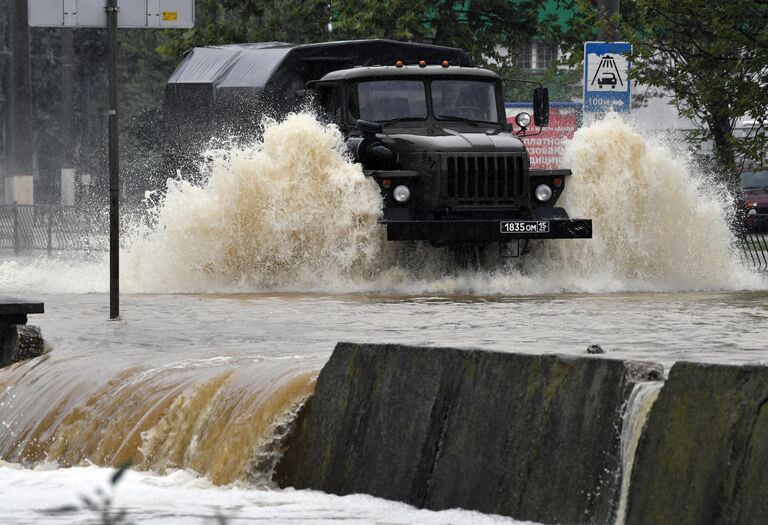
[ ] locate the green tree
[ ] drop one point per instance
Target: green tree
(492, 31)
(235, 21)
(487, 29)
(710, 57)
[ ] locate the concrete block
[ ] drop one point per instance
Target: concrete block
(19, 189)
(19, 342)
(535, 437)
(703, 457)
(67, 187)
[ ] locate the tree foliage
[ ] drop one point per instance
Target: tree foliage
(487, 29)
(235, 21)
(711, 58)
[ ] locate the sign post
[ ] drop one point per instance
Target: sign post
(114, 165)
(135, 14)
(607, 86)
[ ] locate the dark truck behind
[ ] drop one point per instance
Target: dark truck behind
(424, 123)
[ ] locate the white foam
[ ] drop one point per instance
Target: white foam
(658, 225)
(183, 497)
(291, 213)
(287, 212)
(41, 274)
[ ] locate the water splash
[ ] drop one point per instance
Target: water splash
(657, 224)
(291, 213)
(286, 212)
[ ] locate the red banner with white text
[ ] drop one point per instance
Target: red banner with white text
(546, 149)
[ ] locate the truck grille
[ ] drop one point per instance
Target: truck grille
(472, 179)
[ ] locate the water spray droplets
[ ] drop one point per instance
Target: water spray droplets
(292, 213)
(288, 211)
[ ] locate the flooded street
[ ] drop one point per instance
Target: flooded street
(722, 327)
(237, 290)
(190, 385)
(462, 263)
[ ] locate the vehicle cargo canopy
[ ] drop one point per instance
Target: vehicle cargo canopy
(215, 74)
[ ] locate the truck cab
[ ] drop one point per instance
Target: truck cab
(450, 168)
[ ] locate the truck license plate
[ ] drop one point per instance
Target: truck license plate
(524, 226)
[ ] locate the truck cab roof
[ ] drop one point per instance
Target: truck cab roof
(407, 71)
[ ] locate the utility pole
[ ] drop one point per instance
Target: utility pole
(114, 165)
(5, 82)
(149, 14)
(18, 184)
(67, 121)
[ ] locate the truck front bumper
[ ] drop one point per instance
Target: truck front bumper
(543, 225)
(462, 231)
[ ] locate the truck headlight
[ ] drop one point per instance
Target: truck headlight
(523, 120)
(543, 193)
(401, 193)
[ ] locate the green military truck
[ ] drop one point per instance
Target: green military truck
(426, 124)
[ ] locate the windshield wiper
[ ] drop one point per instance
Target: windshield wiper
(398, 119)
(463, 119)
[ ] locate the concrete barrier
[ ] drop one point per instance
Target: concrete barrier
(18, 343)
(17, 340)
(535, 437)
(703, 457)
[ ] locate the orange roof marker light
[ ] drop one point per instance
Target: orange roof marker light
(444, 63)
(422, 63)
(399, 63)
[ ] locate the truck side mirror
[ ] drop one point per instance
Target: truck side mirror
(541, 106)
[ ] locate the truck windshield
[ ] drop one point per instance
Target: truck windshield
(464, 99)
(385, 100)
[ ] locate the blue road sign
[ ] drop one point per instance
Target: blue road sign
(606, 85)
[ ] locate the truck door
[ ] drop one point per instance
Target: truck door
(331, 100)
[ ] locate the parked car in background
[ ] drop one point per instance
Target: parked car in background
(754, 194)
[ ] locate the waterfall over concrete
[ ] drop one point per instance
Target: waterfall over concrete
(633, 421)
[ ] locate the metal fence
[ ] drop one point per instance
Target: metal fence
(50, 228)
(754, 248)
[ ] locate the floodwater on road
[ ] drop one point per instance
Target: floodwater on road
(722, 327)
(242, 285)
(188, 385)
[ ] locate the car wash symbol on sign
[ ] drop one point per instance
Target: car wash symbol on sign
(606, 82)
(607, 74)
